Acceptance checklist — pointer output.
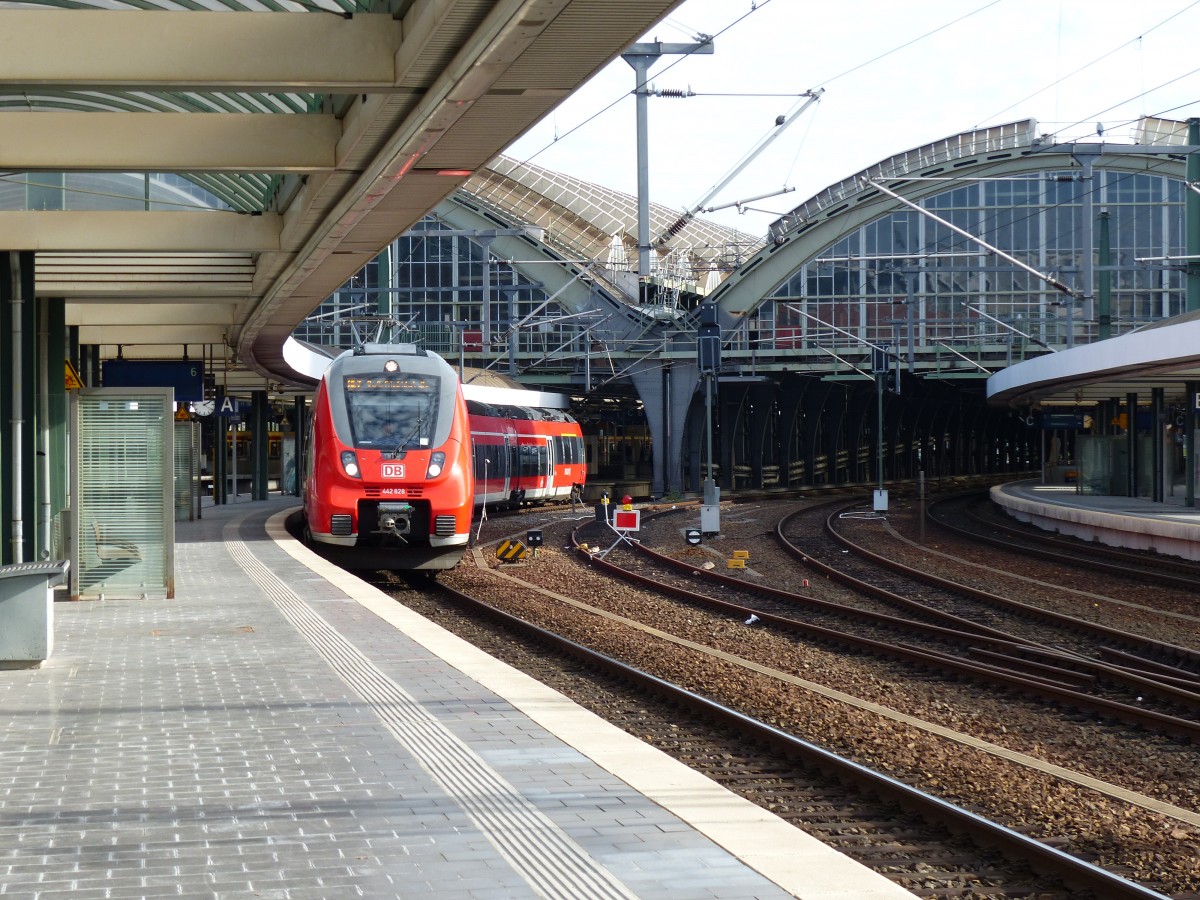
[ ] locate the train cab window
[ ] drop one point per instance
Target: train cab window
(393, 412)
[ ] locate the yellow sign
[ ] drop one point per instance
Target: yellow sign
(182, 415)
(74, 382)
(510, 551)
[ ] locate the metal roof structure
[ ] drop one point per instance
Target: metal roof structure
(1164, 355)
(595, 221)
(319, 131)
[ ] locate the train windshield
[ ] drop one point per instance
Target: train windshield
(393, 412)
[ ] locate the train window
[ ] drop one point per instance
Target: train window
(489, 462)
(393, 412)
(568, 450)
(526, 461)
(534, 459)
(243, 444)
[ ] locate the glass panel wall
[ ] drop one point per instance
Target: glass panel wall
(962, 297)
(432, 282)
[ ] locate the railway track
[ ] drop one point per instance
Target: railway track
(926, 638)
(914, 838)
(973, 516)
(1127, 668)
(1054, 800)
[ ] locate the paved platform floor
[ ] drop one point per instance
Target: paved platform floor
(279, 729)
(1169, 527)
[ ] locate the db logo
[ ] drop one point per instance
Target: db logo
(393, 470)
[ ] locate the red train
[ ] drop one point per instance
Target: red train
(525, 451)
(389, 480)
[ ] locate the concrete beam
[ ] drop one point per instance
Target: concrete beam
(167, 142)
(174, 231)
(209, 51)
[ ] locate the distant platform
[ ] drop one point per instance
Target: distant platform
(1169, 528)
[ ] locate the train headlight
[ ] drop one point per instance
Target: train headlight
(350, 464)
(437, 462)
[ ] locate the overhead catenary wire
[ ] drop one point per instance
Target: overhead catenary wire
(670, 66)
(1093, 62)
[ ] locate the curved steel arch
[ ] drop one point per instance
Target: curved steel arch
(845, 207)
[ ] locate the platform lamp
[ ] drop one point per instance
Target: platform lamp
(708, 353)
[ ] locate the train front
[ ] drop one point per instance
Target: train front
(391, 482)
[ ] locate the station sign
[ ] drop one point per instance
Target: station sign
(1062, 420)
(230, 408)
(185, 376)
(71, 378)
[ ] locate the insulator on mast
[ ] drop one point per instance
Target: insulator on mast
(677, 226)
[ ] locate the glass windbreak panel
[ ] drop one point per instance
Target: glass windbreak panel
(392, 412)
(122, 487)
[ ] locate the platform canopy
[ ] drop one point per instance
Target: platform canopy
(206, 172)
(1164, 355)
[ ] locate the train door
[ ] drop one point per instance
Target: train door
(512, 453)
(493, 466)
(510, 466)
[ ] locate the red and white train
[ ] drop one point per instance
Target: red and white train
(389, 479)
(525, 451)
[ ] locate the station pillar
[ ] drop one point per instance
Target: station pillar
(1158, 444)
(1131, 472)
(260, 446)
(666, 398)
(1189, 434)
(18, 381)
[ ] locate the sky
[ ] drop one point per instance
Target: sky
(895, 76)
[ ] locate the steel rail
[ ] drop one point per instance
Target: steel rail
(1178, 574)
(1075, 872)
(1054, 690)
(1100, 631)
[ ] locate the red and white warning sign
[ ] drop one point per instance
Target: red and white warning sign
(627, 519)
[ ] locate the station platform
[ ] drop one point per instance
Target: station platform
(282, 729)
(1169, 527)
